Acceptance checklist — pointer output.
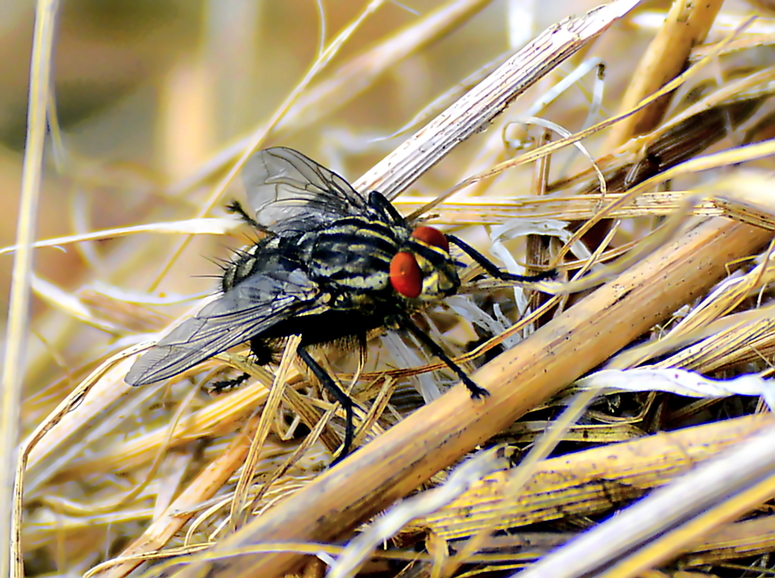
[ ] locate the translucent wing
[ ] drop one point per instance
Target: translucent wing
(290, 192)
(253, 306)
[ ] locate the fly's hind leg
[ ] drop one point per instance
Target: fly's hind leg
(236, 208)
(262, 354)
(227, 384)
(340, 396)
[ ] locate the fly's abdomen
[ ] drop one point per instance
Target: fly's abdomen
(275, 256)
(242, 266)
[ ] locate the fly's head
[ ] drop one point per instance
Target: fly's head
(423, 271)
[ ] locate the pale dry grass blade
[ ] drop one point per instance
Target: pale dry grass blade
(476, 211)
(387, 525)
(474, 111)
(586, 482)
(236, 515)
(672, 518)
(687, 24)
(14, 360)
(211, 226)
(163, 528)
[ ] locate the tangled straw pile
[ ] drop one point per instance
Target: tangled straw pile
(650, 191)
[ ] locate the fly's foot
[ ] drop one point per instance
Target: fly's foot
(227, 384)
(476, 391)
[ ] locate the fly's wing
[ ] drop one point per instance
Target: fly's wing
(256, 304)
(290, 192)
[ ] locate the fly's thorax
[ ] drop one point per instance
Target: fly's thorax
(355, 260)
(352, 255)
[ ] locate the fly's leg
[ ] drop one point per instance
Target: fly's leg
(262, 355)
(340, 396)
(406, 323)
(492, 269)
(226, 384)
(236, 208)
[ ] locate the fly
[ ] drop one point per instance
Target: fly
(333, 265)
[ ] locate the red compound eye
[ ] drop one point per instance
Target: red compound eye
(405, 275)
(432, 236)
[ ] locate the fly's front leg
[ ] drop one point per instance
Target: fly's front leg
(492, 269)
(405, 322)
(344, 400)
